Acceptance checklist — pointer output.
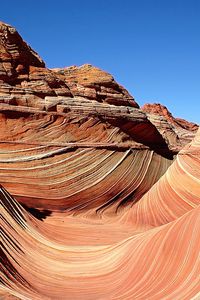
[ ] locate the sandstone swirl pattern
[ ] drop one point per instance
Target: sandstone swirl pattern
(99, 199)
(154, 262)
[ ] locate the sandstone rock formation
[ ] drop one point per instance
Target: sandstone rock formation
(95, 191)
(161, 110)
(177, 132)
(88, 259)
(92, 83)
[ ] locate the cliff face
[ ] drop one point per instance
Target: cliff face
(92, 83)
(88, 181)
(176, 132)
(50, 115)
(25, 80)
(71, 118)
(161, 110)
(15, 55)
(26, 86)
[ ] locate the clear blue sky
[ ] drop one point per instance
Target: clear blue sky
(151, 47)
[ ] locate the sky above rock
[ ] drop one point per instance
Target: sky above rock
(150, 47)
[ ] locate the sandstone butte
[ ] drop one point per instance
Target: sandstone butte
(99, 198)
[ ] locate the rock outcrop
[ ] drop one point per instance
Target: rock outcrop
(161, 110)
(15, 55)
(25, 81)
(177, 132)
(95, 191)
(92, 83)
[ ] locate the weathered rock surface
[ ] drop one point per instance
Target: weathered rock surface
(177, 132)
(161, 110)
(93, 83)
(24, 80)
(26, 86)
(15, 55)
(85, 258)
(100, 191)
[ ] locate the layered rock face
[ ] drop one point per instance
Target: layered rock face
(95, 191)
(176, 131)
(80, 258)
(92, 83)
(161, 110)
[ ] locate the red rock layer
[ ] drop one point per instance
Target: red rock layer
(101, 209)
(159, 262)
(66, 159)
(27, 86)
(161, 110)
(176, 193)
(92, 83)
(15, 55)
(25, 81)
(177, 132)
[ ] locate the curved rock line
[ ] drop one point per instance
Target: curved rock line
(99, 199)
(112, 267)
(116, 271)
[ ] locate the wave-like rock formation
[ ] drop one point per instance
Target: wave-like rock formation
(99, 199)
(158, 259)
